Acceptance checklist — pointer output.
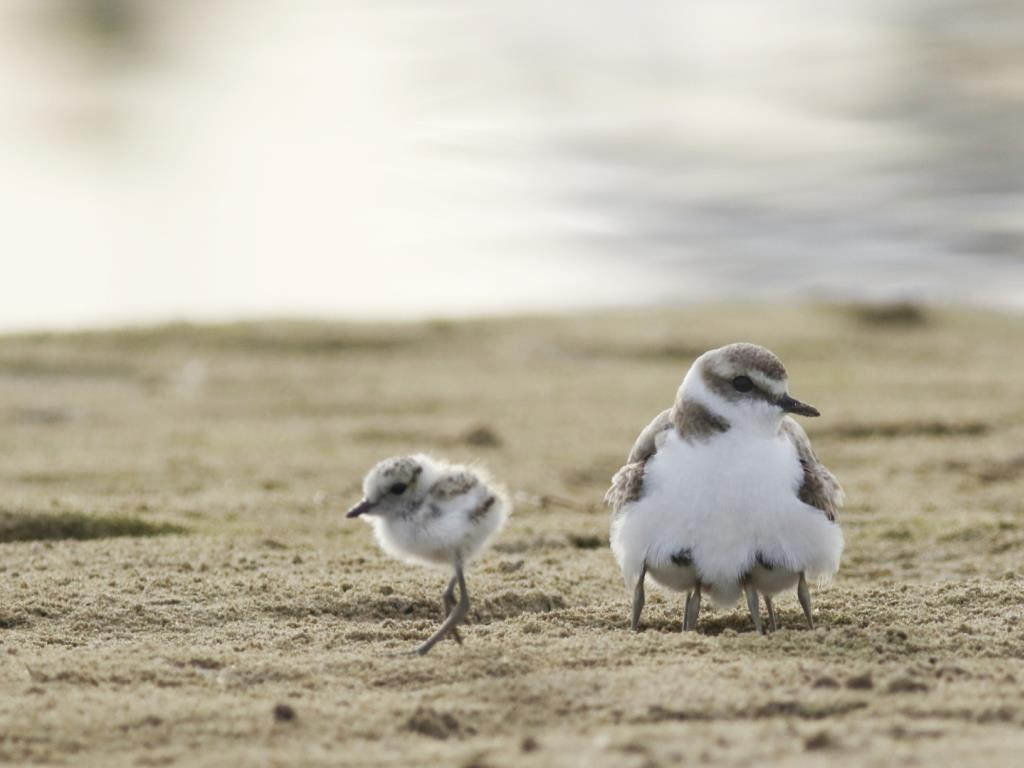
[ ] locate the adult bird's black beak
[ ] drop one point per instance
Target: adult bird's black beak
(363, 506)
(792, 405)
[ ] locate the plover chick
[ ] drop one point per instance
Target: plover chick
(722, 492)
(427, 511)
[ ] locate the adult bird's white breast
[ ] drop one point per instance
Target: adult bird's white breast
(735, 500)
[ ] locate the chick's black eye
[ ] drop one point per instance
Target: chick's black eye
(398, 489)
(742, 384)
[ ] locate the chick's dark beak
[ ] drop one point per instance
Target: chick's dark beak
(792, 405)
(363, 506)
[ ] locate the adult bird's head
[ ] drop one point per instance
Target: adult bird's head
(744, 384)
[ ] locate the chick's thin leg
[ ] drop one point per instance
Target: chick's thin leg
(448, 602)
(457, 615)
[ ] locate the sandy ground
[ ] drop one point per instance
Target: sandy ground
(262, 627)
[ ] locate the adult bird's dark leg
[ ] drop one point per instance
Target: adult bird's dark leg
(753, 605)
(638, 598)
(771, 612)
(804, 595)
(692, 609)
(447, 603)
(458, 613)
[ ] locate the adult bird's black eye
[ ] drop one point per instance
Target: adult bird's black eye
(398, 489)
(742, 384)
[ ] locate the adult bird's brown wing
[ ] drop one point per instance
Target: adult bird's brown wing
(819, 487)
(627, 483)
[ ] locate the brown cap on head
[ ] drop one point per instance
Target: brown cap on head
(751, 357)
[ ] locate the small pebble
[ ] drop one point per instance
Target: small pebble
(284, 713)
(820, 740)
(862, 682)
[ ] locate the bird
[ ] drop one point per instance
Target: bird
(427, 511)
(722, 493)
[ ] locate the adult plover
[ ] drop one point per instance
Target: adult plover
(723, 493)
(424, 510)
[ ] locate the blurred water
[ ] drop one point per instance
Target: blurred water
(219, 158)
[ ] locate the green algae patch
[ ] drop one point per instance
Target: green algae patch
(44, 526)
